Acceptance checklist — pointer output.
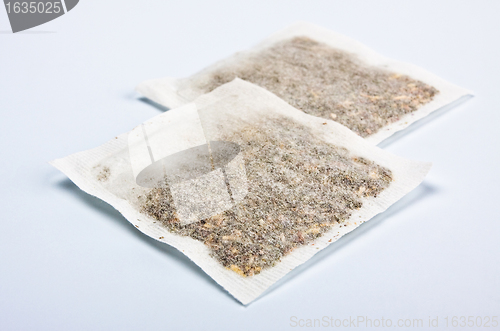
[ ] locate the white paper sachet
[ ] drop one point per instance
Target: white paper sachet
(323, 74)
(247, 186)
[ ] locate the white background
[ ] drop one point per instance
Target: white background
(71, 262)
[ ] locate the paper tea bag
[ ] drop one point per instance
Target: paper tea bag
(323, 74)
(247, 186)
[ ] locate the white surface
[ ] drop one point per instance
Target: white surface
(71, 262)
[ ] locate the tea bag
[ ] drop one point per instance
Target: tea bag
(244, 184)
(323, 74)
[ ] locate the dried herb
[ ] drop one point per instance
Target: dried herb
(329, 83)
(104, 174)
(299, 187)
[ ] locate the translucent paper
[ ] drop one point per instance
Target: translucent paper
(323, 74)
(245, 185)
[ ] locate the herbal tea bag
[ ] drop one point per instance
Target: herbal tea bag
(323, 74)
(244, 184)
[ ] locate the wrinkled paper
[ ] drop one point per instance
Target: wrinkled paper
(172, 92)
(198, 152)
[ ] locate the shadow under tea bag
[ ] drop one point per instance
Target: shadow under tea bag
(247, 186)
(323, 74)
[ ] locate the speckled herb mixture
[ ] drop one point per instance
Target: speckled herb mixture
(104, 174)
(329, 83)
(299, 187)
